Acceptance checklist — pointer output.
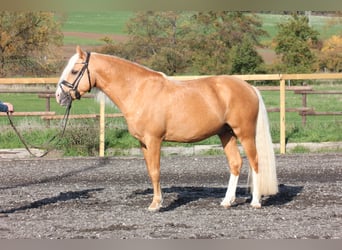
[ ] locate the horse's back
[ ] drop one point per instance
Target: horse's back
(224, 92)
(222, 83)
(197, 109)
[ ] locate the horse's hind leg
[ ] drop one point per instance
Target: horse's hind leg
(229, 143)
(251, 152)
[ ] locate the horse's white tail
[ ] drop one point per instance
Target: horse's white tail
(267, 176)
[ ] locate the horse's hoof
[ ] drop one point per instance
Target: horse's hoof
(153, 210)
(256, 205)
(228, 204)
(154, 207)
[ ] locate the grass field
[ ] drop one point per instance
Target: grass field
(97, 22)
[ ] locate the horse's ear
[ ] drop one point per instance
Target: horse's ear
(80, 52)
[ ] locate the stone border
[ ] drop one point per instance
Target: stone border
(188, 151)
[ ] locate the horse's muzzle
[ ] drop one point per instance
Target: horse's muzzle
(63, 98)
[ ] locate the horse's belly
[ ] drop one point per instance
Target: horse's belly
(192, 130)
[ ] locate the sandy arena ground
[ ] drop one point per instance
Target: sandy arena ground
(108, 198)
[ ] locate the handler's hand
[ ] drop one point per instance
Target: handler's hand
(10, 107)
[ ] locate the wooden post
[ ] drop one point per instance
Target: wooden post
(282, 116)
(304, 106)
(47, 109)
(102, 126)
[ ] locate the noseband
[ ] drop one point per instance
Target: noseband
(74, 86)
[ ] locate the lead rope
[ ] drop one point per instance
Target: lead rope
(61, 134)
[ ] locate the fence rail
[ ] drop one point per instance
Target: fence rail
(304, 94)
(31, 114)
(304, 90)
(42, 80)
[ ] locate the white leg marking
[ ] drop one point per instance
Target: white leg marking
(256, 192)
(231, 190)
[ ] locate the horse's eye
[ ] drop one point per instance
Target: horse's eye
(74, 72)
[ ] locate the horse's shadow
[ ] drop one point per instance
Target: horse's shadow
(184, 196)
(188, 194)
(62, 197)
(53, 178)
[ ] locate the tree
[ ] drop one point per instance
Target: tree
(164, 37)
(29, 42)
(295, 42)
(178, 42)
(156, 40)
(331, 54)
(217, 33)
(245, 58)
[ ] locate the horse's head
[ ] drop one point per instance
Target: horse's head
(75, 80)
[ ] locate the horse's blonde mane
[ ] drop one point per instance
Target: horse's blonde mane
(69, 67)
(133, 64)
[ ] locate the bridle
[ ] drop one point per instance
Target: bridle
(74, 86)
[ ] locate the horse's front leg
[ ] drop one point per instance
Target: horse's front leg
(151, 151)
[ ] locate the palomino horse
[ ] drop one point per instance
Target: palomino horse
(158, 109)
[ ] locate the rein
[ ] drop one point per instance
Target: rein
(61, 134)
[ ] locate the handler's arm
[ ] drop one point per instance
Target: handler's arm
(6, 107)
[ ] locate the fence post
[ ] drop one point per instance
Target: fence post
(102, 126)
(282, 116)
(47, 108)
(304, 104)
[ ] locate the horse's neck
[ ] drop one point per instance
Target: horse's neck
(120, 79)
